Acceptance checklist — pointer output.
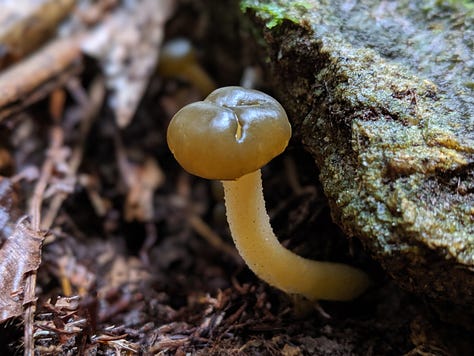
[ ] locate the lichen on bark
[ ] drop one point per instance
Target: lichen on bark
(381, 93)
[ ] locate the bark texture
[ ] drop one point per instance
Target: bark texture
(381, 94)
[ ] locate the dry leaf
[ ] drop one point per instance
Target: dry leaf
(20, 254)
(127, 46)
(76, 273)
(142, 181)
(127, 271)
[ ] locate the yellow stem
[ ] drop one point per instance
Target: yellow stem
(199, 78)
(269, 260)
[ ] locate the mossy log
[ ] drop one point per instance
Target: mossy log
(381, 93)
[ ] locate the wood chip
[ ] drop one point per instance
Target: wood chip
(26, 24)
(37, 76)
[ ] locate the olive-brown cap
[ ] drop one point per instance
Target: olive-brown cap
(234, 131)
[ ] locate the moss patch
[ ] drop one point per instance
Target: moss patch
(275, 12)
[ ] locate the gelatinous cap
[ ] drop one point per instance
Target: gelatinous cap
(234, 131)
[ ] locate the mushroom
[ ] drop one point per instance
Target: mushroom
(229, 136)
(178, 59)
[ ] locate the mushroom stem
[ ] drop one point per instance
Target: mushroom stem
(178, 59)
(199, 78)
(268, 259)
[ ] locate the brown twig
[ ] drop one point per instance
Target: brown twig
(211, 237)
(94, 100)
(37, 76)
(35, 212)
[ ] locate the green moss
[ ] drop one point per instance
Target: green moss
(469, 4)
(275, 12)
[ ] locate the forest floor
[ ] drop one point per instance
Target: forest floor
(137, 257)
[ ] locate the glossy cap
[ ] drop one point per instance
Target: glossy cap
(234, 131)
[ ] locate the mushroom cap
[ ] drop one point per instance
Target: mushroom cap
(234, 131)
(175, 55)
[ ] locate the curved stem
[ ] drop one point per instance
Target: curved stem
(270, 261)
(199, 78)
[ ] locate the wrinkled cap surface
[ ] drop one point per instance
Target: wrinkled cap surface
(234, 131)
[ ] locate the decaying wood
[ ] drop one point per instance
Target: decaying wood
(34, 78)
(389, 124)
(25, 25)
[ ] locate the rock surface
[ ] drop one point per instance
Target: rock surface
(382, 94)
